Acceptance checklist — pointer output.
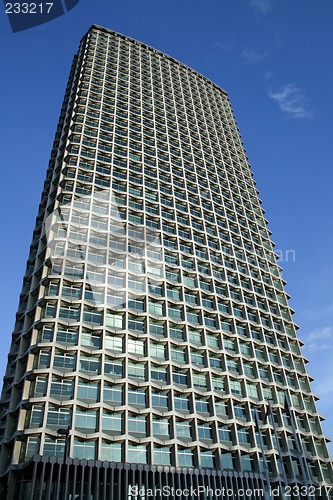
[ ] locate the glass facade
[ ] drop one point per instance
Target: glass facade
(153, 318)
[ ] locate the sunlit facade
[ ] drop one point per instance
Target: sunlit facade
(153, 319)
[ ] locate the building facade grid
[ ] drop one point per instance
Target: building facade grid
(153, 318)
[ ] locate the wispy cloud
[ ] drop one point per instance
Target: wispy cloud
(324, 384)
(226, 45)
(261, 6)
(315, 314)
(292, 100)
(254, 55)
(319, 339)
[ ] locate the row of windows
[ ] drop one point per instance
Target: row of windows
(72, 267)
(163, 401)
(193, 185)
(177, 334)
(135, 453)
(232, 155)
(116, 423)
(205, 381)
(198, 222)
(158, 305)
(198, 293)
(94, 340)
(91, 421)
(200, 94)
(259, 236)
(173, 311)
(149, 127)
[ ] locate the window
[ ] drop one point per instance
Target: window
(86, 420)
(185, 457)
(215, 362)
(193, 317)
(113, 343)
(111, 451)
(235, 387)
(218, 384)
(197, 358)
(156, 308)
(62, 388)
(113, 394)
(30, 448)
(113, 367)
(114, 320)
(220, 407)
(137, 304)
(91, 316)
(228, 461)
(243, 435)
(136, 396)
(229, 344)
(43, 360)
(207, 459)
(67, 335)
(195, 337)
(252, 391)
(162, 455)
(137, 424)
(54, 447)
(202, 405)
(136, 346)
(90, 364)
(158, 373)
(239, 411)
(183, 429)
(36, 416)
(160, 400)
(90, 340)
(88, 391)
(64, 361)
(175, 312)
(137, 454)
(136, 370)
(59, 417)
(247, 462)
(180, 378)
(204, 431)
(157, 350)
(225, 433)
(111, 422)
(232, 365)
(156, 328)
(161, 427)
(47, 333)
(199, 380)
(176, 333)
(137, 325)
(178, 354)
(84, 449)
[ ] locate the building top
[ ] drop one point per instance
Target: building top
(155, 51)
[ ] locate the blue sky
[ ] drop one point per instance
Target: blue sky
(274, 58)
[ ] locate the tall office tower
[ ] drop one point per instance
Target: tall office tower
(153, 345)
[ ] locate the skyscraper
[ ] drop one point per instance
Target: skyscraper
(154, 345)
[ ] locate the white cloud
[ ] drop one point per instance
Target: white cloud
(261, 6)
(315, 314)
(324, 385)
(319, 339)
(226, 45)
(253, 55)
(292, 101)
